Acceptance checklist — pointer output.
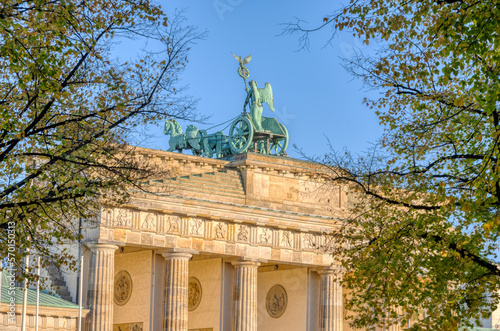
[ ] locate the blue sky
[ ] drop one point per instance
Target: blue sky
(313, 95)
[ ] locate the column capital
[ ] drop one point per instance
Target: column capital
(334, 269)
(178, 253)
(245, 263)
(101, 246)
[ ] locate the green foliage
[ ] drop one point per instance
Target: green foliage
(68, 104)
(423, 244)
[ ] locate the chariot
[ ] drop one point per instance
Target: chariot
(243, 137)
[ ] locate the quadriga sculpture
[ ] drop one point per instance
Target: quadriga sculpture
(201, 143)
(179, 140)
(248, 132)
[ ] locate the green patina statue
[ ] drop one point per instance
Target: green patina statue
(198, 141)
(248, 131)
(256, 96)
(179, 140)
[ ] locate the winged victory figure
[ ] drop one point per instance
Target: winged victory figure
(244, 61)
(255, 97)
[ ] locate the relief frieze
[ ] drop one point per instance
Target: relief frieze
(220, 230)
(123, 217)
(242, 233)
(196, 227)
(173, 224)
(308, 241)
(260, 234)
(149, 222)
(286, 239)
(264, 236)
(329, 244)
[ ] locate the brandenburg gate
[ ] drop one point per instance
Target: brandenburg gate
(239, 242)
(238, 245)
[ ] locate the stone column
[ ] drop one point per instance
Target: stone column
(245, 296)
(331, 304)
(176, 291)
(101, 286)
(396, 327)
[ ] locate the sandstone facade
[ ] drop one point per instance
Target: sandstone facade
(238, 227)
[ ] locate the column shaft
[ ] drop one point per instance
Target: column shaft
(176, 291)
(331, 305)
(396, 327)
(245, 296)
(101, 287)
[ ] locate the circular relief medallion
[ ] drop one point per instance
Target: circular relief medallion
(276, 301)
(123, 287)
(194, 293)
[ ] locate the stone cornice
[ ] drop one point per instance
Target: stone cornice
(263, 163)
(280, 165)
